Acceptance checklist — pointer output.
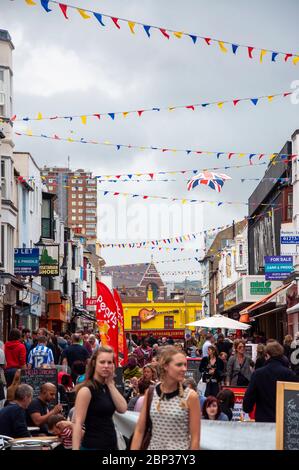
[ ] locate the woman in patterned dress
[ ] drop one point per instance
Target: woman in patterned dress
(174, 409)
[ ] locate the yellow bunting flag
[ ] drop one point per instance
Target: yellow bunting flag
(272, 156)
(142, 148)
(70, 139)
(241, 155)
(132, 26)
(29, 132)
(220, 104)
(270, 98)
(178, 34)
(263, 52)
(84, 119)
(106, 142)
(39, 116)
(222, 46)
(171, 109)
(83, 13)
(125, 113)
(295, 60)
(184, 201)
(30, 2)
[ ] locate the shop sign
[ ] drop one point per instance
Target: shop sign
(229, 297)
(175, 334)
(253, 288)
(49, 260)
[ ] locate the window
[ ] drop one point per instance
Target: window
(91, 204)
(168, 323)
(47, 217)
(50, 180)
(80, 218)
(90, 196)
(287, 203)
(3, 179)
(91, 234)
(2, 254)
(80, 203)
(90, 181)
(80, 211)
(91, 219)
(73, 196)
(74, 181)
(51, 188)
(91, 189)
(91, 226)
(74, 203)
(136, 325)
(80, 196)
(241, 255)
(74, 217)
(74, 211)
(91, 211)
(74, 189)
(80, 188)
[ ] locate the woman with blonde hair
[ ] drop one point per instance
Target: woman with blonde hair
(97, 400)
(169, 406)
(288, 339)
(239, 366)
(149, 373)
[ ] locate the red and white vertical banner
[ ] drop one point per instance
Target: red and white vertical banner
(122, 343)
(107, 318)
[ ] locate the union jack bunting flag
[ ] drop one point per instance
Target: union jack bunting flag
(213, 180)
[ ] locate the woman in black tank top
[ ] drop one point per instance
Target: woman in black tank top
(97, 400)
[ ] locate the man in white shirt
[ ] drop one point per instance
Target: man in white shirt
(210, 340)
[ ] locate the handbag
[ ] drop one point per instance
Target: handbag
(148, 423)
(242, 381)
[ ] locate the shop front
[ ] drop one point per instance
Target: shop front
(268, 313)
(58, 311)
(160, 319)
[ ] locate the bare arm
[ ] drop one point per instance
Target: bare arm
(194, 420)
(118, 400)
(39, 419)
(140, 426)
(81, 407)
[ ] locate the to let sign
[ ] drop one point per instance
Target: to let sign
(289, 243)
(26, 261)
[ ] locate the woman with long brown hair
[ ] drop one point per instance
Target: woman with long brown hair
(97, 400)
(169, 406)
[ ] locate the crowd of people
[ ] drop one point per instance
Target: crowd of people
(170, 406)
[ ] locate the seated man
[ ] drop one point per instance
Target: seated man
(13, 416)
(38, 412)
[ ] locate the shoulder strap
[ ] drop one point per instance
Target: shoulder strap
(150, 395)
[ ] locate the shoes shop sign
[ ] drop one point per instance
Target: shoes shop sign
(41, 261)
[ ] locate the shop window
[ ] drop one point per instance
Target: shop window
(168, 323)
(136, 325)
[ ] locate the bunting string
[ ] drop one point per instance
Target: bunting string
(174, 199)
(229, 155)
(189, 236)
(140, 112)
(103, 20)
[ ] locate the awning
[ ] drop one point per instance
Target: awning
(265, 299)
(293, 309)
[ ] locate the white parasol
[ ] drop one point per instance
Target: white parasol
(220, 321)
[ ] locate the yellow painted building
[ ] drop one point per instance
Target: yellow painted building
(166, 318)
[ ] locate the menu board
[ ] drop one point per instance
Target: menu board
(287, 416)
(37, 377)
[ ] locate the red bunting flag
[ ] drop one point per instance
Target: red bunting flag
(190, 107)
(287, 56)
(98, 116)
(64, 10)
(151, 175)
(122, 343)
(261, 156)
(140, 112)
(235, 102)
(116, 194)
(230, 155)
(208, 41)
(287, 94)
(115, 21)
(106, 316)
(250, 49)
(164, 32)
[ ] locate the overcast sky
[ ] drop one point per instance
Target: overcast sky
(77, 67)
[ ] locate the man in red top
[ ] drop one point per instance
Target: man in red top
(15, 355)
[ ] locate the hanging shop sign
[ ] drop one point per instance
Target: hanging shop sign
(49, 260)
(253, 288)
